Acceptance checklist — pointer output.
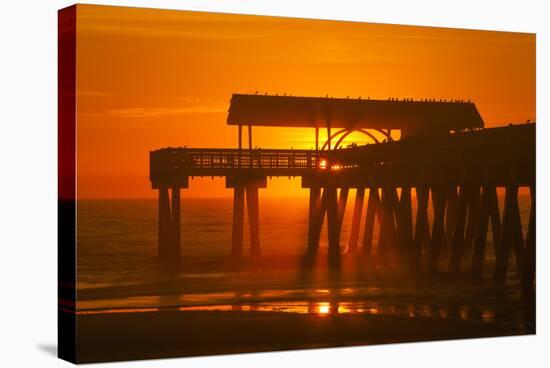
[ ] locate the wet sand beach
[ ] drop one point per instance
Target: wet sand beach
(164, 334)
(402, 309)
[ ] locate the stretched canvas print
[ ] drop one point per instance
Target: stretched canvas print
(237, 183)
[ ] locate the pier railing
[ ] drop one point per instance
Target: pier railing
(167, 164)
(206, 158)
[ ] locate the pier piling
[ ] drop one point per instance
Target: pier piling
(356, 219)
(169, 227)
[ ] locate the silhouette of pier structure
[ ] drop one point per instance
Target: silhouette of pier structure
(445, 155)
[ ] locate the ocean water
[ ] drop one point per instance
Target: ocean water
(118, 268)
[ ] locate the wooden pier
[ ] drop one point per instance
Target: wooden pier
(455, 169)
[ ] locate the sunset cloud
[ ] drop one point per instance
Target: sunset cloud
(157, 112)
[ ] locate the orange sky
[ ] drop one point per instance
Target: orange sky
(148, 79)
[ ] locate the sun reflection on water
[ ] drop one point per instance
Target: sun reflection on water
(324, 308)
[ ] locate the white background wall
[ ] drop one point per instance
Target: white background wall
(28, 182)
